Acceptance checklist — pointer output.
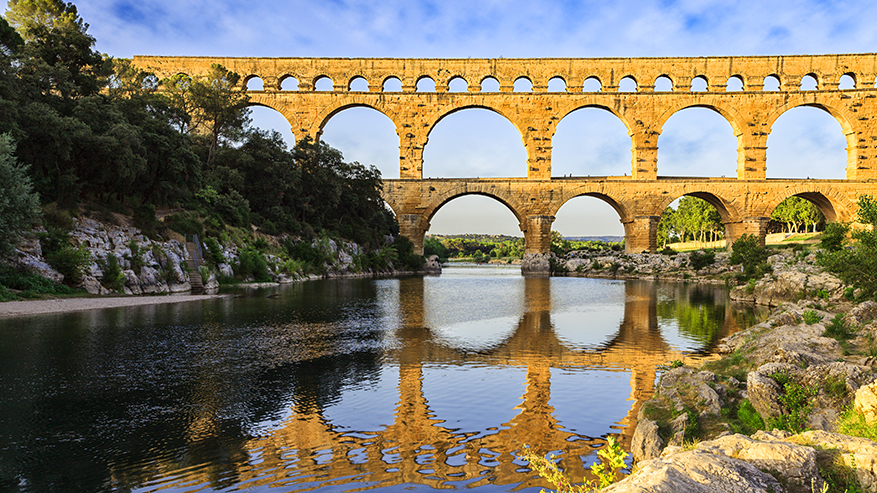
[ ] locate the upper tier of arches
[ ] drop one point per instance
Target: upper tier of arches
(709, 74)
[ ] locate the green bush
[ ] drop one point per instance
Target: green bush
(405, 253)
(252, 262)
(213, 253)
(69, 260)
(834, 236)
(184, 223)
(797, 400)
(700, 259)
(749, 252)
(811, 317)
(145, 220)
(136, 257)
(30, 283)
(749, 417)
(114, 277)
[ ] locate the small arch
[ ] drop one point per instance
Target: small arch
(489, 84)
(808, 83)
(289, 83)
(627, 84)
(699, 84)
(523, 84)
(425, 84)
(663, 84)
(771, 83)
(392, 84)
(734, 84)
(458, 84)
(592, 84)
(254, 83)
(358, 84)
(150, 82)
(324, 83)
(847, 81)
(556, 84)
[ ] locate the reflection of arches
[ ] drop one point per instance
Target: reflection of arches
(806, 142)
(698, 141)
(454, 149)
(590, 140)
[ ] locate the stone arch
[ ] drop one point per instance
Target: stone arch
(424, 78)
(732, 83)
(523, 80)
(848, 79)
(452, 80)
(833, 205)
(354, 80)
(563, 112)
(557, 80)
(283, 81)
(267, 101)
(250, 78)
(488, 78)
(728, 210)
(625, 212)
(840, 115)
(806, 80)
(728, 113)
(323, 118)
(390, 78)
(630, 78)
(663, 83)
(436, 203)
(434, 119)
(596, 84)
(319, 80)
(772, 78)
(697, 81)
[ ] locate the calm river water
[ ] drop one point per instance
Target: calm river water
(342, 385)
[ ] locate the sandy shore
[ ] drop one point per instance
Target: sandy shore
(38, 307)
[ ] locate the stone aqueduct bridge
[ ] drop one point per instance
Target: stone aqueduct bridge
(744, 202)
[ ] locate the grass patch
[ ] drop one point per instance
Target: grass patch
(853, 423)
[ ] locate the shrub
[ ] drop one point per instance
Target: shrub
(668, 251)
(30, 283)
(70, 261)
(834, 236)
(144, 218)
(811, 317)
(252, 262)
(797, 399)
(214, 254)
(136, 257)
(184, 223)
(700, 259)
(749, 417)
(405, 252)
(749, 252)
(114, 278)
(837, 329)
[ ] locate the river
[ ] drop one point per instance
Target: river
(346, 384)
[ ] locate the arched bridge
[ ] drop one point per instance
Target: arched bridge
(744, 202)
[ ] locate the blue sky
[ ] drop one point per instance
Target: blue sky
(805, 142)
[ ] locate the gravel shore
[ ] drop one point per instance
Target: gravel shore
(38, 307)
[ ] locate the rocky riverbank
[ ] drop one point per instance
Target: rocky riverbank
(776, 409)
(159, 266)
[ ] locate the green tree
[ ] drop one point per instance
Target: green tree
(19, 205)
(749, 252)
(858, 266)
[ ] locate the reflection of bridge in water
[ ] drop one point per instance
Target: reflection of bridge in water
(307, 450)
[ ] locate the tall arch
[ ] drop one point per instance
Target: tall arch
(460, 143)
(809, 140)
(268, 118)
(365, 134)
(591, 141)
(699, 140)
(589, 214)
(485, 213)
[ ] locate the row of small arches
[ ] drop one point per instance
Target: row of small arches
(555, 84)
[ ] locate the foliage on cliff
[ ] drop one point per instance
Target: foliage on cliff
(96, 130)
(856, 264)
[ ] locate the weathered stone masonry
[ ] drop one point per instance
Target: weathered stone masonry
(745, 202)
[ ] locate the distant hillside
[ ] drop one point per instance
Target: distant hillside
(477, 237)
(606, 239)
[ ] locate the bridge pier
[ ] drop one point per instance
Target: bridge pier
(749, 225)
(537, 233)
(414, 227)
(641, 234)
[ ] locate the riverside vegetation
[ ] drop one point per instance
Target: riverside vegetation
(87, 136)
(789, 404)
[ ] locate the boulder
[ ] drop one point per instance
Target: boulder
(859, 454)
(536, 264)
(646, 444)
(862, 313)
(866, 402)
(792, 463)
